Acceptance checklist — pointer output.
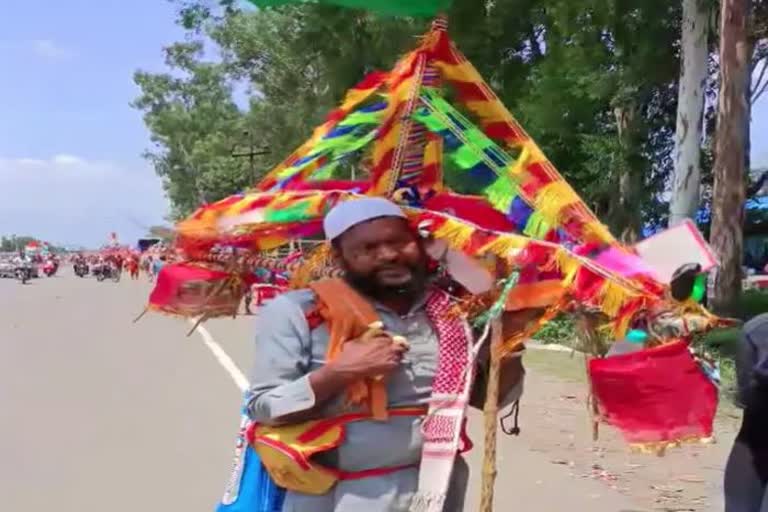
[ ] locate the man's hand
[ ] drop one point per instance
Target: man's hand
(377, 355)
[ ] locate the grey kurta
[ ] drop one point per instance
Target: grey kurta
(745, 489)
(286, 351)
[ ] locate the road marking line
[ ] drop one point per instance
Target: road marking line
(223, 358)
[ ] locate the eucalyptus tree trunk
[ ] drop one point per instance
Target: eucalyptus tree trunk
(728, 197)
(626, 216)
(690, 111)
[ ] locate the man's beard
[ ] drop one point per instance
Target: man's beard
(369, 285)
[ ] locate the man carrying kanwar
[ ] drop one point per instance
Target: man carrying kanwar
(360, 385)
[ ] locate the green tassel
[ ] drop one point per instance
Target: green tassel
(498, 307)
(536, 227)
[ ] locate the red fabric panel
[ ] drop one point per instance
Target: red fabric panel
(442, 50)
(329, 185)
(469, 91)
(172, 276)
(657, 395)
(502, 131)
(473, 209)
(371, 80)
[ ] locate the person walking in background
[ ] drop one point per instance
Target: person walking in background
(746, 473)
(157, 266)
(132, 264)
(148, 267)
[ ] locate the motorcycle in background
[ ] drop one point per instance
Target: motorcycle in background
(81, 269)
(106, 271)
(50, 267)
(23, 272)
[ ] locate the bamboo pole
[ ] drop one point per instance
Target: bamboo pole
(591, 346)
(491, 414)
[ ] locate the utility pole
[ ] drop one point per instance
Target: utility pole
(251, 153)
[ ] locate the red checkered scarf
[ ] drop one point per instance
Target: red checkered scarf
(442, 428)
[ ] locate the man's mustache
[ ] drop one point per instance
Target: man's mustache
(385, 268)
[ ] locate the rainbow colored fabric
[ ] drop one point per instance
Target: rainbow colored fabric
(521, 210)
(390, 114)
(408, 129)
(263, 221)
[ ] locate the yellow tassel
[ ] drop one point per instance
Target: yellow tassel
(503, 246)
(314, 264)
(568, 265)
(517, 168)
(536, 154)
(660, 448)
(621, 326)
(553, 198)
(613, 297)
(597, 230)
(455, 233)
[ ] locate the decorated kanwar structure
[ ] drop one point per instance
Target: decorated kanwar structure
(518, 236)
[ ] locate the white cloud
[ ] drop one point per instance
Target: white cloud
(29, 162)
(72, 199)
(49, 49)
(68, 160)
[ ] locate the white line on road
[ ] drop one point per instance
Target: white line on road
(222, 357)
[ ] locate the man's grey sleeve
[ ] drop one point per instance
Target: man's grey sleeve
(279, 381)
(752, 358)
(746, 357)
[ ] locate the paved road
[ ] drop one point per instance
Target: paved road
(102, 414)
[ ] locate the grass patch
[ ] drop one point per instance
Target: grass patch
(752, 303)
(722, 344)
(567, 366)
(560, 330)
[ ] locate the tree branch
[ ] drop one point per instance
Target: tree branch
(757, 186)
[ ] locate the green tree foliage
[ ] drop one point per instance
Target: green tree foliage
(593, 81)
(602, 101)
(194, 122)
(14, 243)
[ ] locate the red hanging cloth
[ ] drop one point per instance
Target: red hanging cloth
(656, 397)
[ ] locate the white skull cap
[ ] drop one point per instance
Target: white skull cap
(348, 214)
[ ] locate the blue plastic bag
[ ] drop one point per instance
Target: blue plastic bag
(250, 489)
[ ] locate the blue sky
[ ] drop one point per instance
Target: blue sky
(70, 145)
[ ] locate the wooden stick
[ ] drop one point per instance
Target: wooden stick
(491, 414)
(199, 321)
(587, 327)
(141, 315)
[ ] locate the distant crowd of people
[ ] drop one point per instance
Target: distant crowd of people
(133, 263)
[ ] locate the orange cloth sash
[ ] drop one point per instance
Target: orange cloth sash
(349, 316)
